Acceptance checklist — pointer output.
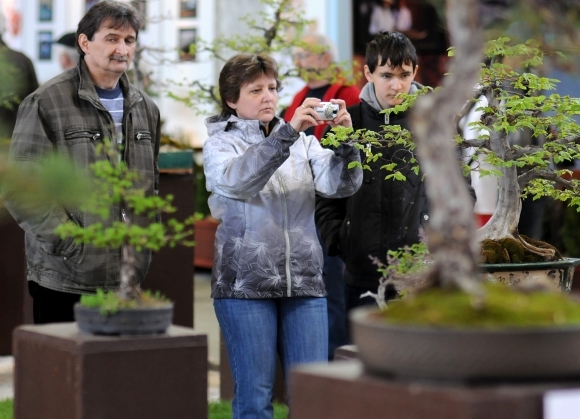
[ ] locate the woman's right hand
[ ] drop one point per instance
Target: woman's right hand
(305, 116)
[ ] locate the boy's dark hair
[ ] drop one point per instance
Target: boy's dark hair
(242, 69)
(120, 15)
(393, 47)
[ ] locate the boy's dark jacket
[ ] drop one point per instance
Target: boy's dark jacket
(384, 214)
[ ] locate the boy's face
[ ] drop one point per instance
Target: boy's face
(389, 82)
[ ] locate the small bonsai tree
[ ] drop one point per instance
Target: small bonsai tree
(113, 183)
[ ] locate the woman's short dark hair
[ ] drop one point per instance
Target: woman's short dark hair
(242, 69)
(120, 15)
(393, 47)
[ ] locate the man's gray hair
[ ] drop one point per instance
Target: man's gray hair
(70, 52)
(324, 43)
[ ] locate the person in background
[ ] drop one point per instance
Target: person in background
(384, 214)
(68, 57)
(429, 36)
(18, 81)
(486, 187)
(316, 63)
(263, 174)
(390, 15)
(70, 115)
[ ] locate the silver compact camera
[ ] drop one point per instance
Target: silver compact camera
(327, 110)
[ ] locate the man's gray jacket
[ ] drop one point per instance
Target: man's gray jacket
(65, 116)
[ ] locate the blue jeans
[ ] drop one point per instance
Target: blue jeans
(255, 331)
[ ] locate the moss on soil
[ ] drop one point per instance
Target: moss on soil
(109, 302)
(501, 307)
(511, 251)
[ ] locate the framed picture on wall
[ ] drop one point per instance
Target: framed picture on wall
(188, 8)
(45, 10)
(187, 37)
(89, 4)
(44, 45)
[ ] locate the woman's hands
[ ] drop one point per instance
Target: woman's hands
(305, 116)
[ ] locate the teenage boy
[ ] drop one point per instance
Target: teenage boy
(384, 214)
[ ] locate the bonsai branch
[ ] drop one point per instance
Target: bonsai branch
(525, 178)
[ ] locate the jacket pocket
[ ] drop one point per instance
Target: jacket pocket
(67, 248)
(144, 162)
(344, 237)
(74, 136)
(81, 145)
(424, 220)
(142, 137)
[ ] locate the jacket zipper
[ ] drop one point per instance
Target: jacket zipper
(287, 239)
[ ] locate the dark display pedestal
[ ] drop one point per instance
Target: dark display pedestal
(341, 390)
(171, 271)
(61, 373)
(15, 303)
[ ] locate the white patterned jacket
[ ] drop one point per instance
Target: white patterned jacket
(263, 192)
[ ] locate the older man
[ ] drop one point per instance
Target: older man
(316, 63)
(70, 115)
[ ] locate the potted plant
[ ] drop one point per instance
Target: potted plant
(128, 310)
(401, 342)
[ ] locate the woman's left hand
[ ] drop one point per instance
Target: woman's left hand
(342, 117)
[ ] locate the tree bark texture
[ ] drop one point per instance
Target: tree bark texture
(452, 237)
(504, 221)
(128, 289)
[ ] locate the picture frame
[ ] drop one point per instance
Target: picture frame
(186, 38)
(188, 9)
(45, 8)
(45, 45)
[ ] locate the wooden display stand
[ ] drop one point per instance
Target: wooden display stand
(171, 271)
(342, 390)
(61, 373)
(14, 299)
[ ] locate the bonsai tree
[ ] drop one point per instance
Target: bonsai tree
(453, 241)
(113, 183)
(516, 100)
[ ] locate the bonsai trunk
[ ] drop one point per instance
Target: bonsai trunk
(452, 237)
(503, 224)
(504, 221)
(129, 289)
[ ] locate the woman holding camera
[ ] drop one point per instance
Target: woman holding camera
(263, 175)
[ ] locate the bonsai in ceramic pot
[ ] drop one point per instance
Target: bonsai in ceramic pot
(128, 310)
(438, 347)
